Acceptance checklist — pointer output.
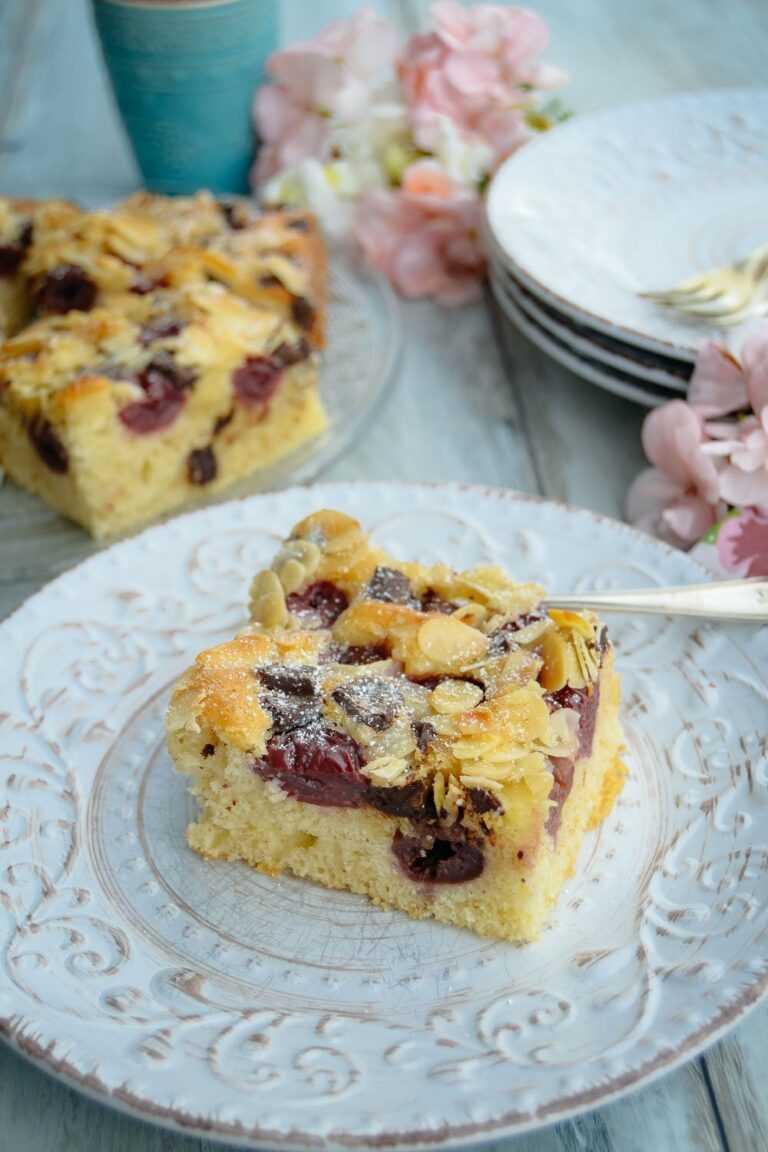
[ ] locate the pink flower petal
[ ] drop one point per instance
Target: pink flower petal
(672, 438)
(754, 356)
(647, 498)
(688, 518)
(743, 488)
(471, 73)
(742, 543)
(718, 384)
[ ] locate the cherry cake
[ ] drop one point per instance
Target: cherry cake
(156, 352)
(428, 738)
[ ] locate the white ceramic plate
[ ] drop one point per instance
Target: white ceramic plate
(208, 997)
(636, 198)
(588, 369)
(639, 364)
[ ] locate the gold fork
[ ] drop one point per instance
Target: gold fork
(726, 294)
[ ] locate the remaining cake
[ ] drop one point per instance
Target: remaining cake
(115, 419)
(64, 259)
(154, 350)
(431, 739)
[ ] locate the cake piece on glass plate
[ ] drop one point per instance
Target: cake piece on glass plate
(114, 419)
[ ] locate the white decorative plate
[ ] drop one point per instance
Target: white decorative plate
(587, 368)
(208, 997)
(635, 198)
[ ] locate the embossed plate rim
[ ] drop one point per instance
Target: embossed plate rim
(452, 1134)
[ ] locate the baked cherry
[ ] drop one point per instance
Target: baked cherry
(322, 601)
(256, 380)
(316, 765)
(48, 446)
(438, 861)
(502, 639)
(165, 383)
(67, 288)
(161, 328)
(302, 312)
(201, 466)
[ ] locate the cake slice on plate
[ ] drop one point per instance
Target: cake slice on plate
(429, 738)
(115, 419)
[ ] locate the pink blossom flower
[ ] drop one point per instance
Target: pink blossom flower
(288, 133)
(477, 69)
(333, 76)
(744, 479)
(425, 237)
(742, 543)
(679, 498)
(720, 384)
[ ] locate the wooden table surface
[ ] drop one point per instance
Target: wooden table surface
(473, 401)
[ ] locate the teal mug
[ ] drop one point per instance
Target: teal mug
(184, 73)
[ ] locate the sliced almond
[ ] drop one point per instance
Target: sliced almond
(573, 621)
(268, 601)
(291, 574)
(446, 642)
(454, 696)
(438, 792)
(386, 769)
(556, 654)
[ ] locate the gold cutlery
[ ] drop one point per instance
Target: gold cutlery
(727, 294)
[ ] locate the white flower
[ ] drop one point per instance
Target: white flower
(465, 158)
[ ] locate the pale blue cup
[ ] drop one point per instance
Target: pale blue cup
(184, 73)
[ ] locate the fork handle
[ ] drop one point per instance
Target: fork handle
(720, 600)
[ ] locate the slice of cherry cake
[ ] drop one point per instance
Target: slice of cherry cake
(115, 419)
(429, 738)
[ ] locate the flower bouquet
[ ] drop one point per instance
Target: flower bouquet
(709, 481)
(394, 145)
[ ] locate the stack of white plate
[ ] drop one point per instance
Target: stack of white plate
(587, 217)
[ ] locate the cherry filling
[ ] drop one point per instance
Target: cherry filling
(360, 654)
(65, 289)
(319, 605)
(11, 255)
(161, 328)
(316, 765)
(302, 312)
(143, 284)
(435, 860)
(286, 355)
(48, 446)
(233, 214)
(432, 602)
(201, 466)
(165, 384)
(502, 639)
(586, 706)
(256, 380)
